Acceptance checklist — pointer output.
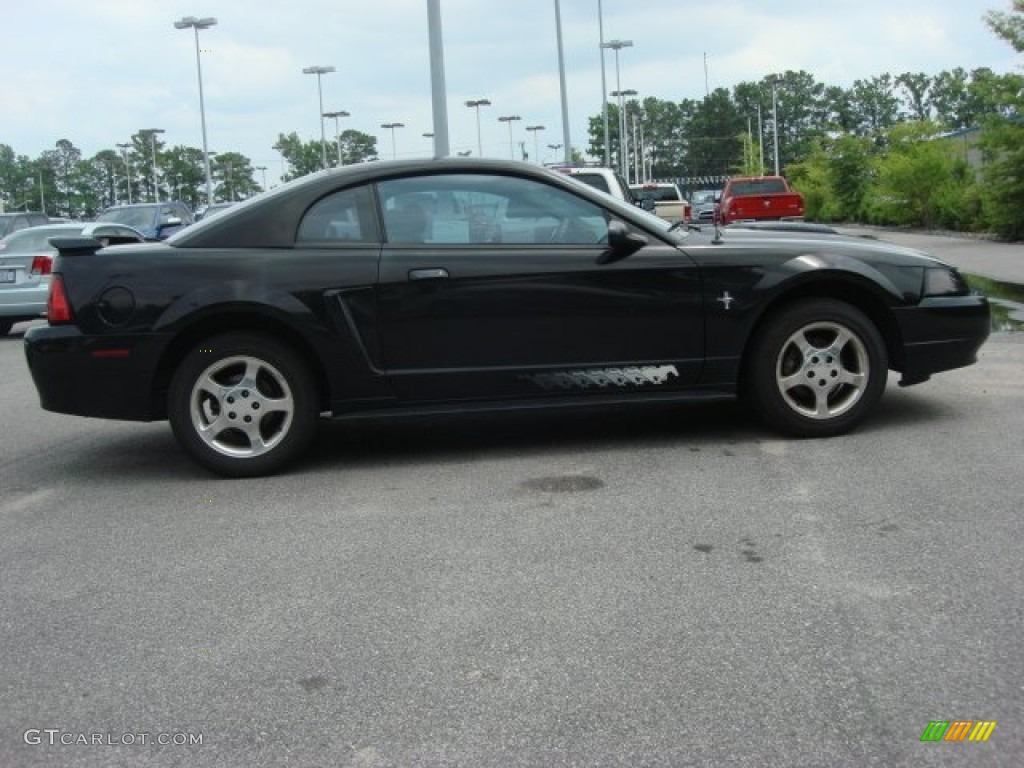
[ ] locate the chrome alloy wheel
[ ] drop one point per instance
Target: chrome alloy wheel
(822, 370)
(241, 406)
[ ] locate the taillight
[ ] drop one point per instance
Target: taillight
(41, 265)
(58, 309)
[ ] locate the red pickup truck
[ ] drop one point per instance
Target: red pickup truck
(760, 198)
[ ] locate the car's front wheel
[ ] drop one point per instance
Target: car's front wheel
(816, 369)
(242, 404)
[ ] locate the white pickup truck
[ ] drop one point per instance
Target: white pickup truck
(669, 202)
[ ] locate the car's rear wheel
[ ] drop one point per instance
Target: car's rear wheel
(5, 327)
(816, 369)
(242, 404)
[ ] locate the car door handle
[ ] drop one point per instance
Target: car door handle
(428, 274)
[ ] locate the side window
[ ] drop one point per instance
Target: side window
(467, 209)
(341, 217)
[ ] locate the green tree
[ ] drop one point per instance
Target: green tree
(1003, 141)
(356, 147)
(184, 174)
(915, 87)
(712, 135)
(233, 173)
(875, 105)
(920, 180)
(1009, 25)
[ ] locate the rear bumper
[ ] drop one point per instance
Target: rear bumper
(106, 377)
(940, 334)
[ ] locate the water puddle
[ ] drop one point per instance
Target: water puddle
(1006, 300)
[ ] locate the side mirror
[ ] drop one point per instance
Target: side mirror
(647, 204)
(621, 243)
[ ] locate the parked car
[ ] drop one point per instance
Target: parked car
(12, 222)
(467, 285)
(211, 209)
(705, 204)
(26, 259)
(157, 221)
(604, 179)
(669, 202)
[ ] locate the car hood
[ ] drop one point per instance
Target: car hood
(795, 244)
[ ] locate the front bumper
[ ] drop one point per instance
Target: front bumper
(110, 377)
(941, 333)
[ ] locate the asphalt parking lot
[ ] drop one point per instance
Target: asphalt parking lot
(657, 587)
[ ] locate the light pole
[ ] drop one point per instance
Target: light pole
(604, 85)
(477, 103)
(284, 170)
(196, 24)
(337, 131)
(554, 147)
(319, 71)
(511, 145)
(536, 152)
(127, 168)
(760, 142)
(392, 126)
(156, 184)
(262, 169)
(618, 45)
(775, 122)
(624, 143)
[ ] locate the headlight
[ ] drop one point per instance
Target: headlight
(942, 281)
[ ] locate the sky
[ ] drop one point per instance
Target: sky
(96, 71)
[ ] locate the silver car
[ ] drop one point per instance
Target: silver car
(26, 260)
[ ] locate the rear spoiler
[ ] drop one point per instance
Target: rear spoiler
(76, 246)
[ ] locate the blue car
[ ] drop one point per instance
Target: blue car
(156, 221)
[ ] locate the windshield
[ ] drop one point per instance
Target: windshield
(139, 217)
(757, 187)
(660, 194)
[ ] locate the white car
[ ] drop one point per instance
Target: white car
(26, 260)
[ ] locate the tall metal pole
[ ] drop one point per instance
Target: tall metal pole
(156, 183)
(775, 125)
(392, 126)
(337, 131)
(196, 25)
(477, 103)
(128, 170)
(438, 94)
(319, 71)
(618, 45)
(636, 153)
(760, 142)
(511, 144)
(562, 88)
(604, 87)
(536, 147)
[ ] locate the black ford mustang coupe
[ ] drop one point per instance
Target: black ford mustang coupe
(447, 285)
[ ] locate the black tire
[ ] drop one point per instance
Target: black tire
(816, 368)
(243, 404)
(5, 327)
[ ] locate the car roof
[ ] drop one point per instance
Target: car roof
(266, 220)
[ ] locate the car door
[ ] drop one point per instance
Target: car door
(492, 286)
